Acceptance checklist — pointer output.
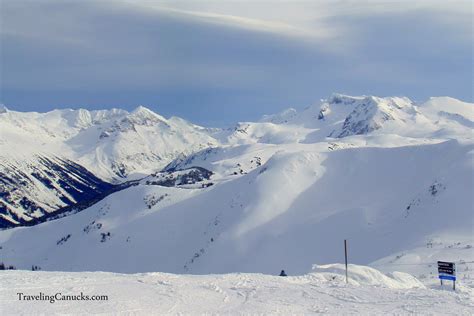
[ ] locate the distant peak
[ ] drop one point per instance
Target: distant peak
(282, 117)
(339, 98)
(143, 115)
(444, 99)
(142, 110)
(3, 108)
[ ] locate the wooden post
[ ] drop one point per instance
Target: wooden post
(345, 255)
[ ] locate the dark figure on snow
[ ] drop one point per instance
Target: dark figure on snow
(282, 273)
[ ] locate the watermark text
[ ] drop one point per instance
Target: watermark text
(59, 297)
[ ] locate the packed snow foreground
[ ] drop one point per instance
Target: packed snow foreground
(323, 291)
(148, 194)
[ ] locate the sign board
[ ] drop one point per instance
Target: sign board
(447, 277)
(447, 271)
(442, 264)
(448, 268)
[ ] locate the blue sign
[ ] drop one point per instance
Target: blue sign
(447, 277)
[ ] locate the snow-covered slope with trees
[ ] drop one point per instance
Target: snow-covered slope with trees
(392, 176)
(39, 185)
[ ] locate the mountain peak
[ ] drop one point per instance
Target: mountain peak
(280, 118)
(144, 112)
(144, 116)
(339, 98)
(370, 113)
(142, 109)
(3, 108)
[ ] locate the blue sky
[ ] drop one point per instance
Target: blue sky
(217, 62)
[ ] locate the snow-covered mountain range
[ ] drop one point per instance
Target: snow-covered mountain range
(52, 160)
(392, 176)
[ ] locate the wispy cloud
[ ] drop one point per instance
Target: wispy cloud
(237, 59)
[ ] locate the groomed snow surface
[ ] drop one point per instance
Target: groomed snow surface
(323, 291)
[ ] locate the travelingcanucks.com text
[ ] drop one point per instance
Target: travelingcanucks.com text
(52, 298)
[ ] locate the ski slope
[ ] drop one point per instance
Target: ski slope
(323, 291)
(290, 212)
(391, 176)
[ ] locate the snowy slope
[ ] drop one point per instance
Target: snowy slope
(141, 142)
(341, 115)
(33, 187)
(41, 153)
(389, 175)
(111, 143)
(320, 292)
(293, 210)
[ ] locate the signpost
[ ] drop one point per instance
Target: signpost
(345, 256)
(447, 271)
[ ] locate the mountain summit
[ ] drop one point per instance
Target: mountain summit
(3, 109)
